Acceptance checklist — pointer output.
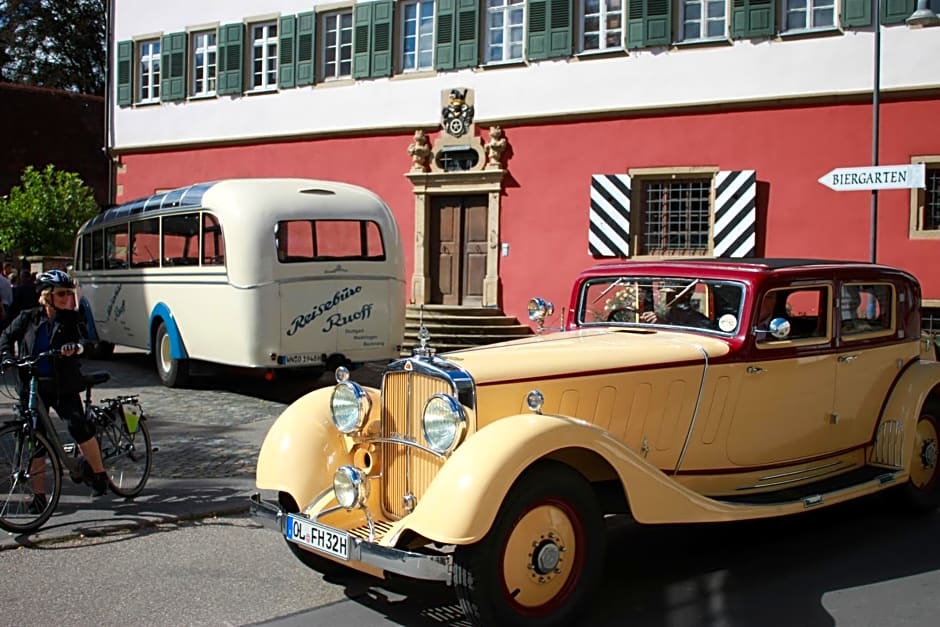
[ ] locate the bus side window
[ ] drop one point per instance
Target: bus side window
(213, 243)
(145, 243)
(97, 250)
(115, 243)
(181, 240)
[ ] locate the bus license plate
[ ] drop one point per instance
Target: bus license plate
(318, 537)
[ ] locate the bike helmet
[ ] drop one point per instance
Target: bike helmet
(54, 278)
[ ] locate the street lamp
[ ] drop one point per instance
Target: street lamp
(923, 15)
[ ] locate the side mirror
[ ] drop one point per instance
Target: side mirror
(779, 328)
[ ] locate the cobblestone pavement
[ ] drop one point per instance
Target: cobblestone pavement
(214, 428)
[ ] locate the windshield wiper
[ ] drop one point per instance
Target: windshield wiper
(619, 281)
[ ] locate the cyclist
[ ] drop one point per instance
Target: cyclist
(56, 325)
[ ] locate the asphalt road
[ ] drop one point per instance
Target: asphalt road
(852, 566)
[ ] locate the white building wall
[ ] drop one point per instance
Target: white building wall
(740, 71)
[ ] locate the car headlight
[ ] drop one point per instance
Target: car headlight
(349, 406)
(443, 422)
(539, 309)
(350, 487)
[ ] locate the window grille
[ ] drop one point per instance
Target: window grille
(675, 217)
(932, 200)
(930, 320)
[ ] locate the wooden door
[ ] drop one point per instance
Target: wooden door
(457, 249)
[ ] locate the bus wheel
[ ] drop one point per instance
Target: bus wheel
(173, 373)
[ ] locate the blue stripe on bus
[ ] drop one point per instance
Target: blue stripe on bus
(177, 350)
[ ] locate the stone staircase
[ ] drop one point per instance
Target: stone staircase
(454, 327)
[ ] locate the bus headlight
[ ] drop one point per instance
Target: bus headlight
(350, 487)
(349, 406)
(443, 423)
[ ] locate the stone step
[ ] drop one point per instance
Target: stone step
(451, 328)
(459, 319)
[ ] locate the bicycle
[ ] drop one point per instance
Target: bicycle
(32, 456)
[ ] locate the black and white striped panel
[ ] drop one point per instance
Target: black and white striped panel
(609, 217)
(735, 213)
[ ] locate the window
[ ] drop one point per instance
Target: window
(925, 201)
(213, 244)
(145, 243)
(702, 19)
(263, 56)
(115, 246)
(328, 240)
(603, 25)
(181, 240)
(417, 30)
(337, 45)
(805, 309)
(204, 63)
(97, 250)
(674, 216)
(866, 308)
(505, 21)
(148, 82)
(809, 14)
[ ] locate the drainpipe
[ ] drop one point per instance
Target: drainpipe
(108, 96)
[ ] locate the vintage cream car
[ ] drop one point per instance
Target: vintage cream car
(677, 392)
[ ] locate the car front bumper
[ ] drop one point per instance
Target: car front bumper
(392, 560)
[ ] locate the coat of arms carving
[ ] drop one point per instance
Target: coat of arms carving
(457, 116)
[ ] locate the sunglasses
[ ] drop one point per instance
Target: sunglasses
(63, 292)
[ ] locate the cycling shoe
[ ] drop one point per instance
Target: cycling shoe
(83, 474)
(38, 505)
(99, 483)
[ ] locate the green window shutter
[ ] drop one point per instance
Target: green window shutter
(468, 33)
(856, 12)
(537, 44)
(286, 52)
(444, 35)
(649, 23)
(230, 59)
(306, 40)
(560, 28)
(382, 12)
(173, 67)
(896, 11)
(125, 78)
(752, 18)
(362, 27)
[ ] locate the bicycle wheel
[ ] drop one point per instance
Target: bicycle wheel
(127, 456)
(30, 479)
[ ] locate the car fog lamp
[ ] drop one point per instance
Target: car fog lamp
(534, 401)
(349, 406)
(443, 422)
(350, 487)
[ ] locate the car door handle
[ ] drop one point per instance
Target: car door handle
(844, 359)
(755, 370)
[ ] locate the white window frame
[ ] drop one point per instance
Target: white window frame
(423, 17)
(263, 42)
(808, 11)
(148, 65)
(704, 20)
(504, 13)
(204, 47)
(602, 31)
(344, 51)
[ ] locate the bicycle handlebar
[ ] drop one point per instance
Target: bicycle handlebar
(28, 361)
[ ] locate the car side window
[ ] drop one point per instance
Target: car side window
(866, 308)
(805, 309)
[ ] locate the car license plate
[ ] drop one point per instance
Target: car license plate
(318, 537)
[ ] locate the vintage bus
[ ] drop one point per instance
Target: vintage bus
(256, 273)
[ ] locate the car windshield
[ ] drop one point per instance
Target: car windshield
(695, 303)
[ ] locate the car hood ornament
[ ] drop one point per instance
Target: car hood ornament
(422, 349)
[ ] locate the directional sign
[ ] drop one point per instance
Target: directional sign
(905, 176)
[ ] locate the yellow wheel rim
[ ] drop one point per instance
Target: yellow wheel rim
(165, 358)
(540, 557)
(924, 464)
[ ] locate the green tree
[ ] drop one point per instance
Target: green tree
(42, 214)
(54, 43)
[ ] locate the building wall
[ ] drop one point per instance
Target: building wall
(545, 202)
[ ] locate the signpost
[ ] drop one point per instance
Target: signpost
(907, 176)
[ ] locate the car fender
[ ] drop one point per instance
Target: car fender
(303, 449)
(908, 396)
(162, 312)
(462, 501)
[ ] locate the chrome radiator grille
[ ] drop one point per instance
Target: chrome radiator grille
(406, 469)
